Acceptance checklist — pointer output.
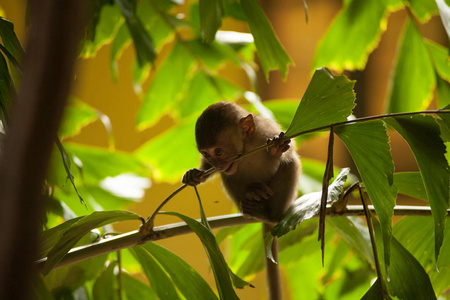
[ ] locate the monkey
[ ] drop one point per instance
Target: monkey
(262, 185)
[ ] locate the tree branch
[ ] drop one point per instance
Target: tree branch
(134, 238)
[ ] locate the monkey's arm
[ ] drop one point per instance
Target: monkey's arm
(194, 177)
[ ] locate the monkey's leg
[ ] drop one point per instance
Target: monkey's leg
(272, 269)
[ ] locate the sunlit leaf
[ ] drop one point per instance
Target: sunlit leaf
(154, 152)
(203, 91)
(167, 86)
(353, 35)
(105, 286)
(439, 55)
(77, 230)
(216, 259)
(328, 99)
(368, 144)
(414, 78)
(270, 51)
(443, 92)
(99, 163)
(109, 21)
(135, 289)
(411, 184)
(186, 279)
(77, 115)
(423, 9)
(158, 278)
(423, 136)
(211, 14)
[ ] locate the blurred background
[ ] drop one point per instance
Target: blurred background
(94, 85)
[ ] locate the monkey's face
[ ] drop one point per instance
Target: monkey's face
(222, 154)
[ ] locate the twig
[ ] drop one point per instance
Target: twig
(135, 237)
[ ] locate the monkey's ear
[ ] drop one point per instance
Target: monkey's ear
(247, 125)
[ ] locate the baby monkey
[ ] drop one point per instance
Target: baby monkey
(262, 185)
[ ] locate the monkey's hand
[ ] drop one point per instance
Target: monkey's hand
(193, 177)
(254, 204)
(280, 145)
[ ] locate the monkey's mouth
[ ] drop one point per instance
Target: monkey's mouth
(231, 169)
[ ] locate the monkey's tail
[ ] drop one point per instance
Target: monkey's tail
(272, 269)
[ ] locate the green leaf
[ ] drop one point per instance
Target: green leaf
(51, 236)
(158, 278)
(211, 14)
(167, 86)
(105, 286)
(423, 9)
(6, 85)
(142, 41)
(408, 278)
(304, 208)
(214, 55)
(423, 137)
(443, 92)
(414, 78)
(270, 51)
(444, 11)
(77, 115)
(100, 163)
(120, 42)
(203, 91)
(216, 259)
(356, 235)
(186, 279)
(328, 99)
(154, 152)
(283, 110)
(11, 42)
(77, 230)
(135, 289)
(411, 184)
(353, 35)
(368, 144)
(439, 56)
(109, 21)
(39, 291)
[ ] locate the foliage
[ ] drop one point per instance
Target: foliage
(185, 81)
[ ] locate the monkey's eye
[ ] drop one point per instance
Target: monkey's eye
(218, 151)
(205, 154)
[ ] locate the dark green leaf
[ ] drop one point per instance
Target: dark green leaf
(109, 21)
(214, 55)
(328, 99)
(6, 85)
(77, 230)
(11, 42)
(142, 41)
(105, 286)
(270, 51)
(186, 279)
(167, 86)
(119, 44)
(135, 289)
(353, 35)
(368, 144)
(158, 278)
(51, 236)
(217, 261)
(39, 291)
(408, 278)
(234, 9)
(411, 184)
(422, 135)
(414, 78)
(154, 152)
(77, 115)
(211, 14)
(423, 9)
(374, 293)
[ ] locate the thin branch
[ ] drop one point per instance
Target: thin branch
(135, 237)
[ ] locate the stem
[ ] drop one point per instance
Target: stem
(372, 238)
(135, 237)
